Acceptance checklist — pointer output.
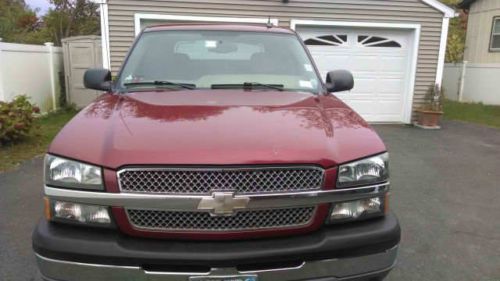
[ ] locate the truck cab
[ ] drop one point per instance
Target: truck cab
(217, 153)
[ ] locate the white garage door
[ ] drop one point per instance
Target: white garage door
(379, 60)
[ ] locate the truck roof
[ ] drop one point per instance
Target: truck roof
(218, 26)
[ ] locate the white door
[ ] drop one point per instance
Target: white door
(379, 60)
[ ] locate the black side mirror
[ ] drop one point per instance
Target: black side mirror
(97, 79)
(339, 80)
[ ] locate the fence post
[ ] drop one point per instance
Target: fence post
(50, 48)
(462, 81)
(2, 95)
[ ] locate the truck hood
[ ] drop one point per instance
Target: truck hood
(203, 127)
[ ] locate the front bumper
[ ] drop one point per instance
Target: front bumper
(357, 251)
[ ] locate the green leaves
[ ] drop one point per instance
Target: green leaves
(456, 39)
(456, 34)
(16, 119)
(16, 20)
(72, 18)
(20, 24)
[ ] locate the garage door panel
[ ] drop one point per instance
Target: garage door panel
(363, 106)
(363, 86)
(395, 64)
(387, 106)
(364, 63)
(393, 86)
(327, 63)
(379, 61)
(383, 118)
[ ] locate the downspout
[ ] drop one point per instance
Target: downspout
(442, 51)
(103, 7)
(462, 81)
(2, 97)
(50, 50)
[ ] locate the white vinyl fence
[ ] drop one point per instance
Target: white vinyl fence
(466, 82)
(31, 70)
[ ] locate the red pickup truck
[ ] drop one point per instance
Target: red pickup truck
(217, 154)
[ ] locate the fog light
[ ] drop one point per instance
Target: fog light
(357, 210)
(80, 213)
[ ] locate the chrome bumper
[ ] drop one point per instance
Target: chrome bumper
(167, 202)
(351, 268)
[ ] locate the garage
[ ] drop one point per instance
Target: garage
(381, 61)
(395, 49)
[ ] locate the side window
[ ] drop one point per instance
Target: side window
(495, 35)
(327, 40)
(376, 41)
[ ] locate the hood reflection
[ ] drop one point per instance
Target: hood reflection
(129, 107)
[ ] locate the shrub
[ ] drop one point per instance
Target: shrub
(16, 119)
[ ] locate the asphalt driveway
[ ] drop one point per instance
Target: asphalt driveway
(445, 190)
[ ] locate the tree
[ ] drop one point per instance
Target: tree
(17, 20)
(456, 35)
(20, 24)
(71, 18)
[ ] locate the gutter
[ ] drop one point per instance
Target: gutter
(103, 8)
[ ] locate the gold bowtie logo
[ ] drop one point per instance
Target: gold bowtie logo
(223, 203)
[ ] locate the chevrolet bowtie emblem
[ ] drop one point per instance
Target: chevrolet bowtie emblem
(223, 203)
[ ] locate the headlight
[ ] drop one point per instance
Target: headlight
(358, 210)
(366, 171)
(72, 174)
(77, 213)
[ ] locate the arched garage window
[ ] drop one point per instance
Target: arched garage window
(376, 41)
(327, 40)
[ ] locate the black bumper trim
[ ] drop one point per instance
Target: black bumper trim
(99, 246)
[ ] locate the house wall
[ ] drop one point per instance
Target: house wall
(479, 32)
(121, 21)
(30, 70)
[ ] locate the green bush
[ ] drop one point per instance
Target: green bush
(16, 119)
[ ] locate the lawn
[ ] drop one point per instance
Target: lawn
(45, 130)
(473, 112)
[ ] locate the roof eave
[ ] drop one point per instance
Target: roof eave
(465, 4)
(447, 11)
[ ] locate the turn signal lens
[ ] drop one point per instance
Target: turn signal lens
(357, 210)
(80, 213)
(46, 203)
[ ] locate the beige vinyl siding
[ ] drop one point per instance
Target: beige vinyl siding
(481, 16)
(121, 21)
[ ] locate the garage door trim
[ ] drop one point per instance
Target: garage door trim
(408, 97)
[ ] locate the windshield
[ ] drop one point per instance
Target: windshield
(219, 59)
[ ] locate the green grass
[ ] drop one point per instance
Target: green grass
(45, 129)
(472, 112)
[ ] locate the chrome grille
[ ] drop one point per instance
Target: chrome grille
(206, 180)
(202, 221)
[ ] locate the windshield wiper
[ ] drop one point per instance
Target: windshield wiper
(248, 86)
(161, 83)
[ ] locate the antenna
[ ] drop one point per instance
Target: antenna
(269, 23)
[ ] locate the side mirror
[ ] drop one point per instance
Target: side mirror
(97, 79)
(339, 80)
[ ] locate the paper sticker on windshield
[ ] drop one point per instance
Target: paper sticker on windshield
(210, 44)
(128, 78)
(305, 84)
(308, 67)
